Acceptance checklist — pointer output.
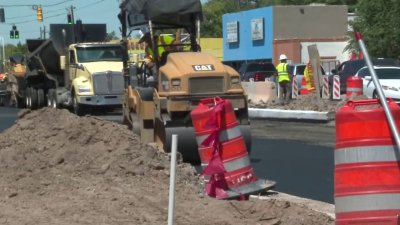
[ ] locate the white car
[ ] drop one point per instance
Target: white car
(389, 78)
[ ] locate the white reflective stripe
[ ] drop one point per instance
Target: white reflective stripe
(353, 89)
(367, 202)
(237, 163)
(233, 165)
(249, 188)
(382, 153)
(224, 135)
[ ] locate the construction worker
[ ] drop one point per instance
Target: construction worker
(164, 43)
(308, 75)
(284, 79)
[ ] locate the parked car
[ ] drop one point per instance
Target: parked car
(259, 71)
(389, 79)
(349, 68)
(298, 70)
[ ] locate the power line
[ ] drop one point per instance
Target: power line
(34, 20)
(47, 5)
(18, 17)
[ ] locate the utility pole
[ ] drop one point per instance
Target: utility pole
(43, 32)
(71, 13)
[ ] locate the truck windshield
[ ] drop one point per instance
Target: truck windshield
(101, 53)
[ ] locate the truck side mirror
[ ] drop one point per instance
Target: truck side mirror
(62, 62)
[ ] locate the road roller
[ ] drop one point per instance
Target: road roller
(157, 102)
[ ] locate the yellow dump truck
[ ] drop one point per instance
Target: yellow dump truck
(74, 68)
(158, 105)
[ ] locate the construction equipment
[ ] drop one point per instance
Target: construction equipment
(71, 69)
(157, 108)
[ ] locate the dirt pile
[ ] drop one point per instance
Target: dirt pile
(57, 168)
(306, 102)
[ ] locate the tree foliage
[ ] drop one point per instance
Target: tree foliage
(214, 9)
(111, 36)
(378, 22)
(10, 49)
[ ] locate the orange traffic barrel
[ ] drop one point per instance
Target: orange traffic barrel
(367, 165)
(354, 86)
(222, 149)
(304, 89)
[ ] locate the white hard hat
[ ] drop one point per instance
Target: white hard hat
(282, 57)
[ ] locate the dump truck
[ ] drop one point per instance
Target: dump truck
(74, 68)
(155, 107)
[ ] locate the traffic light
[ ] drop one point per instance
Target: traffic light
(39, 13)
(2, 17)
(69, 18)
(14, 33)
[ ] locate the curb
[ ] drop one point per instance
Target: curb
(318, 206)
(256, 113)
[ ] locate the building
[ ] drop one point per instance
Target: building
(263, 34)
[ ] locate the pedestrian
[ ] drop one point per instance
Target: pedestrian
(284, 79)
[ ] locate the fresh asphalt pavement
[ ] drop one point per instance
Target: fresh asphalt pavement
(298, 156)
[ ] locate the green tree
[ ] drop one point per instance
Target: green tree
(379, 25)
(111, 36)
(12, 49)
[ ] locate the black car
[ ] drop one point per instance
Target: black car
(349, 68)
(258, 71)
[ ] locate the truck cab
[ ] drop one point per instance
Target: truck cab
(95, 73)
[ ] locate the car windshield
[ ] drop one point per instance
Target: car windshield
(382, 73)
(93, 54)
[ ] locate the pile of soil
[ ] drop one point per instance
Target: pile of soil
(58, 168)
(306, 102)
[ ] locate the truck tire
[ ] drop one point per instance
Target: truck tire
(52, 98)
(40, 98)
(33, 95)
(76, 107)
(28, 98)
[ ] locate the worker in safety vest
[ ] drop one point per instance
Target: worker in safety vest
(284, 79)
(163, 44)
(309, 76)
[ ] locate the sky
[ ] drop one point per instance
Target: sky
(21, 14)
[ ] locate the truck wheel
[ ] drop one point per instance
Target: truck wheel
(28, 98)
(52, 98)
(34, 98)
(40, 98)
(20, 102)
(78, 108)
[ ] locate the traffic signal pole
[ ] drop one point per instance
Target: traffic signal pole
(71, 13)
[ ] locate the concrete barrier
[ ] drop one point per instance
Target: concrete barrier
(260, 91)
(290, 114)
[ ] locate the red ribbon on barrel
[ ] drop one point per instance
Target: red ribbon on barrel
(215, 168)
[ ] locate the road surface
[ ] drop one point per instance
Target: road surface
(298, 156)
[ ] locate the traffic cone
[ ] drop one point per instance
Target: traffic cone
(304, 90)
